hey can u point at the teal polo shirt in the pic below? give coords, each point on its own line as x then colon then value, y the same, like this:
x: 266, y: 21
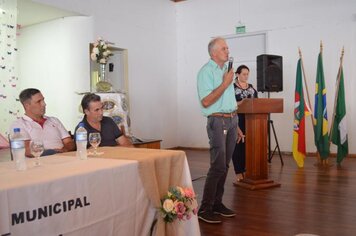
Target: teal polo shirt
x: 209, y: 78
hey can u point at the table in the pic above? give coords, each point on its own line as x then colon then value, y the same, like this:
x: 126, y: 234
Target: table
x: 67, y: 196
x: 5, y: 154
x: 149, y: 143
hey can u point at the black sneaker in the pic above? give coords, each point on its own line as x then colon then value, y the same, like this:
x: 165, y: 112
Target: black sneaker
x: 223, y: 210
x: 208, y: 217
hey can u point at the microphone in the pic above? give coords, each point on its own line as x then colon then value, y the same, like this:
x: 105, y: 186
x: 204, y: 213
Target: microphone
x: 231, y: 60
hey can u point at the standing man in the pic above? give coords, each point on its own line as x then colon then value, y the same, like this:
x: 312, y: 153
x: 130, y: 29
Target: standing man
x: 94, y: 121
x: 217, y: 99
x: 35, y: 125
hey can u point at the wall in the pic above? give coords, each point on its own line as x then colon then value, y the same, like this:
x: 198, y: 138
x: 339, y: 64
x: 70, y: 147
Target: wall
x: 167, y: 44
x: 53, y: 57
x: 147, y: 30
x: 9, y: 89
x: 290, y: 24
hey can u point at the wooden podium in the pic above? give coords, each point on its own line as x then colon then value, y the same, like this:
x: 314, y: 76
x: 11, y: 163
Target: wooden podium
x: 256, y: 112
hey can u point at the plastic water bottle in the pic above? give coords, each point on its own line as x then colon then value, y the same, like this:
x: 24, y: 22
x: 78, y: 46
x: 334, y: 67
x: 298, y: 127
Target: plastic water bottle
x: 81, y: 140
x: 18, y: 149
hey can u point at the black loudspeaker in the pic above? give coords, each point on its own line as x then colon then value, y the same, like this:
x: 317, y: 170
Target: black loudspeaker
x: 269, y: 73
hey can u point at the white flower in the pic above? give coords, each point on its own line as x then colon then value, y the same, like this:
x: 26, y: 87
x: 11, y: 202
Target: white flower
x: 178, y: 204
x: 100, y: 52
x: 93, y: 56
x: 168, y: 205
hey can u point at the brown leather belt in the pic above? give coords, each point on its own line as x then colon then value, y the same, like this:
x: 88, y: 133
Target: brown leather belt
x: 225, y: 115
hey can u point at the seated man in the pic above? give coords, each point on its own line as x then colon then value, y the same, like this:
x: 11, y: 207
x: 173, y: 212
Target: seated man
x: 94, y: 121
x: 35, y: 125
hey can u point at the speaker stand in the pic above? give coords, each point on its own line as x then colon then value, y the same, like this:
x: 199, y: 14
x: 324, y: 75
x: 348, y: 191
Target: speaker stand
x: 270, y: 153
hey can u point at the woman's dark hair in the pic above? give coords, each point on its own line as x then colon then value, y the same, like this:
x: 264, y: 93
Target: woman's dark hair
x: 239, y: 69
x: 90, y: 97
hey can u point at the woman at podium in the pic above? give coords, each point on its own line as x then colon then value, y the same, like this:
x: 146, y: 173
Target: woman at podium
x: 242, y: 90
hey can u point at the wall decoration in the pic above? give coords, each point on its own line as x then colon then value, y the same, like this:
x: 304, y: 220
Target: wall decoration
x: 10, y: 108
x: 115, y: 106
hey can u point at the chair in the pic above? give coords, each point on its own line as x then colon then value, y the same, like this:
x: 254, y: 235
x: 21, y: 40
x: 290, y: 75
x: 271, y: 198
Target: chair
x: 12, y: 157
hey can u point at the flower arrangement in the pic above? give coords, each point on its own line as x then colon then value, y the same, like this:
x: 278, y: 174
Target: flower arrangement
x: 100, y: 52
x: 179, y: 203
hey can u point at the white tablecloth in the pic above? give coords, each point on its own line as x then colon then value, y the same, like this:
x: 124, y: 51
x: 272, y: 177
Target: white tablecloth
x: 73, y: 197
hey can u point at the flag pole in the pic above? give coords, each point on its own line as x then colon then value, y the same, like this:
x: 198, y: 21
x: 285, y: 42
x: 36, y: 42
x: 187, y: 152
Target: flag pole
x: 319, y: 158
x: 336, y: 92
x: 320, y: 162
x: 326, y: 161
x: 306, y: 87
x: 307, y: 90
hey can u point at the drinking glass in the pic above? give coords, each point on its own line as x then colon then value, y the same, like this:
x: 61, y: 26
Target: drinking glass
x: 37, y: 149
x: 94, y: 140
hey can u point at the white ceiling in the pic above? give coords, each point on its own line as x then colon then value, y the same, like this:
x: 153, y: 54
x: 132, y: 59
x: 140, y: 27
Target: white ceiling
x: 30, y: 13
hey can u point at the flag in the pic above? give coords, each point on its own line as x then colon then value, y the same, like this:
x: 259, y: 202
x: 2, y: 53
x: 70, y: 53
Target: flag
x: 339, y: 129
x: 300, y: 111
x: 321, y: 136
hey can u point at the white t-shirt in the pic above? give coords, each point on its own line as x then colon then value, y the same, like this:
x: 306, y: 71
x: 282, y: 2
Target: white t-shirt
x: 51, y: 134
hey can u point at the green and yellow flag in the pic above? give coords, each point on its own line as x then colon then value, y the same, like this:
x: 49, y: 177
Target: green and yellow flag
x: 321, y: 136
x: 339, y: 129
x: 300, y: 111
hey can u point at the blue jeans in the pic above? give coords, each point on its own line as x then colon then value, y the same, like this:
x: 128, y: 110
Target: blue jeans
x: 222, y: 133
